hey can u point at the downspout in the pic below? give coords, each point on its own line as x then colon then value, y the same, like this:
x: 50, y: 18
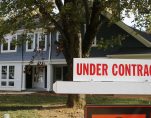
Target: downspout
x: 50, y: 48
x: 50, y: 55
x: 22, y: 59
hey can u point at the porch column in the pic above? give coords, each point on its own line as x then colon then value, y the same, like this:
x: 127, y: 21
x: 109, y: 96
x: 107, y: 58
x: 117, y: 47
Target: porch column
x: 23, y: 80
x: 49, y: 77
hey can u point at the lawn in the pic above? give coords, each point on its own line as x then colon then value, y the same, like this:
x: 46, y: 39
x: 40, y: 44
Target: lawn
x: 45, y: 104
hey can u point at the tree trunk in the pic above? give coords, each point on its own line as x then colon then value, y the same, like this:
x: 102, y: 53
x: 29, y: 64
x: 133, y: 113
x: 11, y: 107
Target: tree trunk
x: 74, y: 100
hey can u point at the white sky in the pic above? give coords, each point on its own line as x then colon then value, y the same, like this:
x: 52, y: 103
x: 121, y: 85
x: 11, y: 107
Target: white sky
x: 128, y: 21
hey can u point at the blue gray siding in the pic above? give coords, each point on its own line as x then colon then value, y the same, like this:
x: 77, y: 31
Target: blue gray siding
x: 22, y: 55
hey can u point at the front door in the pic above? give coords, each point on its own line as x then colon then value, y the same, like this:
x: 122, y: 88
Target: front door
x: 29, y: 72
x: 39, y: 77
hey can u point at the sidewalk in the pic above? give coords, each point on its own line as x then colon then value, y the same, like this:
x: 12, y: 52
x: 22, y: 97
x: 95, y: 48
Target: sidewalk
x: 16, y: 93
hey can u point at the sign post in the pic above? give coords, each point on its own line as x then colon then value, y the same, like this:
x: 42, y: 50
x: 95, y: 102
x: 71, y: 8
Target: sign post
x: 108, y: 76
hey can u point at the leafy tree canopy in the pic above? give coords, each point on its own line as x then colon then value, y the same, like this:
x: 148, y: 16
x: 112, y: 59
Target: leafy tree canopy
x: 68, y: 15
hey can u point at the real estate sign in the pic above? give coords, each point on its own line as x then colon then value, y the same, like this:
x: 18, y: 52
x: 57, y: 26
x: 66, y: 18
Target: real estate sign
x: 117, y: 111
x: 108, y: 76
x: 97, y: 69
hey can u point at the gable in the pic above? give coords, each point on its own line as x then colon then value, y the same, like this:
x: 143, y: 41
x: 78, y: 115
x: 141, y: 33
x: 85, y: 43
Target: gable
x: 129, y: 30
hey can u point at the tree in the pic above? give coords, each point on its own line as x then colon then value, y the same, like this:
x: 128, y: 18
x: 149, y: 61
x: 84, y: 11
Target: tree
x: 68, y: 17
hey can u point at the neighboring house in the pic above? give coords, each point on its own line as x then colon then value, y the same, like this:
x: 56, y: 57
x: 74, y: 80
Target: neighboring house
x: 14, y: 60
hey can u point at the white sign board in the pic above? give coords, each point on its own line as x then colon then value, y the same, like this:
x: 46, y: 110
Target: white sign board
x: 96, y: 69
x: 121, y: 88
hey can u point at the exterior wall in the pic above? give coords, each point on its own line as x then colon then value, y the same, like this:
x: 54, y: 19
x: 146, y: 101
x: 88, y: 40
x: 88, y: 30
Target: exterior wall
x: 22, y: 57
x: 22, y: 54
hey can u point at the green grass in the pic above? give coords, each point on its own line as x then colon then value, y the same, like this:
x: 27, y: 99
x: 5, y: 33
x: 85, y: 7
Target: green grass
x: 109, y: 100
x: 27, y: 106
x: 31, y: 100
x: 49, y: 99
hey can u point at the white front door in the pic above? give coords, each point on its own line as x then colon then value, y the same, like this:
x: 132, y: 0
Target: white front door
x: 39, y: 78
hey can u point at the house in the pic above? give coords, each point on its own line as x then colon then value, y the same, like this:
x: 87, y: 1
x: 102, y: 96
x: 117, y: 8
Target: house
x: 14, y: 59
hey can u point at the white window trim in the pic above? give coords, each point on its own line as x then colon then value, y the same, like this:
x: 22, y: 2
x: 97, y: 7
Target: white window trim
x: 9, y: 41
x: 29, y: 50
x: 46, y: 36
x: 57, y: 36
x: 7, y: 80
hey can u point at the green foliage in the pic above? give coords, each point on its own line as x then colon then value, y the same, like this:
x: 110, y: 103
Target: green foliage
x: 68, y: 15
x: 108, y: 100
x: 114, y: 41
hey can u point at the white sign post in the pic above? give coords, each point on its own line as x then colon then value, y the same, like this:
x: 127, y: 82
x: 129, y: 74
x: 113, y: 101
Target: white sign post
x: 108, y: 76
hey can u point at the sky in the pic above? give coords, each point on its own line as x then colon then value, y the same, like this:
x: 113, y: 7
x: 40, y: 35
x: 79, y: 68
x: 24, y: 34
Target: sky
x: 128, y: 21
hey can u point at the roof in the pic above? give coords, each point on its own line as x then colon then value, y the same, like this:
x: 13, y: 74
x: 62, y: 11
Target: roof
x: 142, y: 37
x: 144, y: 34
x: 138, y: 46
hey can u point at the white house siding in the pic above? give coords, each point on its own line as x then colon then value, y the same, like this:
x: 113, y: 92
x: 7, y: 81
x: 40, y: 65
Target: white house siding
x: 20, y: 77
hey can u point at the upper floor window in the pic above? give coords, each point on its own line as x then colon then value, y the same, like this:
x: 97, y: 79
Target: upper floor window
x: 94, y: 42
x: 59, y: 36
x: 9, y: 44
x: 42, y: 44
x: 30, y: 43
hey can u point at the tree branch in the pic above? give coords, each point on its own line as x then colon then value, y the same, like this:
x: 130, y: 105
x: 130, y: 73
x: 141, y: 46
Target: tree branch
x: 92, y: 28
x: 87, y: 13
x: 59, y: 4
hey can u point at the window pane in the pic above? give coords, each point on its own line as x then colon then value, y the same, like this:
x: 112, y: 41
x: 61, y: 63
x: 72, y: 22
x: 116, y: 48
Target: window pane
x: 42, y: 39
x: 11, y: 72
x: 3, y: 83
x: 59, y: 36
x: 5, y: 46
x: 12, y: 45
x: 30, y: 39
x: 58, y: 73
x: 42, y: 44
x: 4, y: 72
x: 30, y: 46
x: 11, y: 83
x: 94, y: 42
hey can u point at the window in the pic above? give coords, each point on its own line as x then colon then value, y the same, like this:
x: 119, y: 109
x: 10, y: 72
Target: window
x: 4, y: 72
x: 9, y: 45
x: 59, y: 36
x: 94, y: 42
x: 12, y: 43
x: 5, y: 46
x: 7, y: 75
x: 60, y: 73
x: 3, y: 83
x: 42, y: 38
x: 11, y: 83
x: 11, y: 72
x: 30, y: 44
